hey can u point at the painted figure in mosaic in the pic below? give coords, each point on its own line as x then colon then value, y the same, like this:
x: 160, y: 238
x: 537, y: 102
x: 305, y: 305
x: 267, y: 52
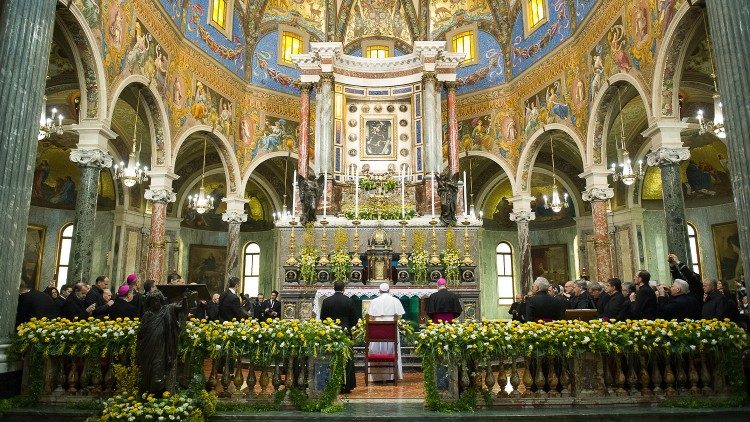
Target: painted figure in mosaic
x: 447, y: 189
x: 310, y: 191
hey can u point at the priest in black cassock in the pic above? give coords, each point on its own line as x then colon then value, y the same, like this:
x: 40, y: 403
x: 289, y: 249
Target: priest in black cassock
x: 443, y: 305
x: 342, y: 308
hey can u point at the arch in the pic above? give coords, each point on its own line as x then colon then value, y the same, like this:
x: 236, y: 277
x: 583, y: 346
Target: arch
x: 534, y: 144
x: 671, y: 53
x: 190, y: 187
x: 263, y: 158
x: 89, y: 63
x: 482, y: 196
x: 223, y: 147
x: 567, y: 184
x: 503, y: 163
x: 601, y: 107
x: 160, y: 131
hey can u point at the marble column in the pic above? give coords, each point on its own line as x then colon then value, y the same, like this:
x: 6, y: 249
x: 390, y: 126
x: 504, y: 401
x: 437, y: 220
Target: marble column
x: 668, y: 159
x: 430, y: 142
x: 160, y: 197
x: 304, y: 129
x: 729, y: 22
x: 523, y: 215
x: 235, y: 215
x: 25, y: 39
x: 452, y: 128
x: 91, y: 162
x: 324, y: 146
x: 598, y: 196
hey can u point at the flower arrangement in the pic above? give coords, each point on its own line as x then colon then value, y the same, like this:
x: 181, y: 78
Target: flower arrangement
x: 308, y: 260
x: 172, y: 407
x: 419, y: 257
x: 387, y: 212
x: 451, y: 259
x: 340, y: 265
x: 388, y: 184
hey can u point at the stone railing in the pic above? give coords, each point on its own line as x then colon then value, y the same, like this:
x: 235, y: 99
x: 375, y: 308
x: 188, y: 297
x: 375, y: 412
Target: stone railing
x: 586, y: 379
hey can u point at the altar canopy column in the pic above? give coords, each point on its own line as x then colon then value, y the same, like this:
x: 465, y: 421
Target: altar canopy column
x: 160, y: 194
x: 304, y: 128
x: 667, y: 152
x: 598, y: 193
x: 729, y: 27
x: 234, y: 215
x: 452, y: 128
x: 429, y: 82
x: 91, y: 157
x: 324, y: 146
x: 522, y: 215
x: 25, y: 39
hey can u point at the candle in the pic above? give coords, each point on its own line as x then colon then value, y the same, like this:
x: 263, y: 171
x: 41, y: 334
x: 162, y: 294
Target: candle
x: 403, y: 198
x: 466, y: 201
x: 432, y: 192
x: 325, y: 194
x: 356, y: 197
x: 294, y: 191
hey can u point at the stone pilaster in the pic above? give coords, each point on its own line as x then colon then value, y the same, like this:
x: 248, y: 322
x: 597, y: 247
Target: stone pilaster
x: 235, y: 215
x: 598, y: 192
x: 160, y: 196
x: 668, y: 153
x: 728, y: 26
x: 523, y: 215
x: 431, y: 144
x: 324, y: 146
x: 25, y: 39
x: 90, y: 162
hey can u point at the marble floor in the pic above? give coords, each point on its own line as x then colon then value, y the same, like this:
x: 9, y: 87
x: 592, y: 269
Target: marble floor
x: 411, y: 387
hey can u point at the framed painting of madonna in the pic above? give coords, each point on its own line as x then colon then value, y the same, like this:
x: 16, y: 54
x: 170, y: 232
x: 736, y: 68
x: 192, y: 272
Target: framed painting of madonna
x: 377, y: 138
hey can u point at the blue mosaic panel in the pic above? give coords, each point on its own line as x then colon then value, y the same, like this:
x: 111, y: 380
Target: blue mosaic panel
x: 418, y: 105
x: 401, y: 90
x: 418, y: 132
x: 419, y: 159
x: 174, y: 9
x: 230, y: 52
x: 527, y: 51
x: 489, y: 69
x: 378, y: 92
x: 337, y: 161
x: 358, y: 52
x: 357, y: 91
x: 583, y: 7
x: 266, y: 69
x: 338, y: 132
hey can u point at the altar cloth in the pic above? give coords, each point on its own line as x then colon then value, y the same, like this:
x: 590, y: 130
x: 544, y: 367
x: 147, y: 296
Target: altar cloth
x: 372, y: 291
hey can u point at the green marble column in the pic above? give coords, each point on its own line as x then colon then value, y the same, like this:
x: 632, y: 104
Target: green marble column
x: 91, y: 162
x: 730, y: 35
x: 25, y: 38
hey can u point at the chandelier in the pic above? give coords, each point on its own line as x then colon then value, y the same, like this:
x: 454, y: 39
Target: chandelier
x: 133, y: 173
x: 626, y: 173
x: 556, y: 204
x: 50, y: 125
x: 200, y: 202
x: 717, y: 125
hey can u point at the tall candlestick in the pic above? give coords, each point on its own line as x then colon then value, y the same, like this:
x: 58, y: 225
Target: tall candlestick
x: 325, y: 194
x: 403, y: 198
x: 466, y: 199
x: 432, y: 192
x: 294, y: 192
x: 356, y: 197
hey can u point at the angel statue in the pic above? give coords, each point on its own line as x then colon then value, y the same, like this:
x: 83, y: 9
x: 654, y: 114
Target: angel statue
x: 447, y: 189
x: 310, y: 190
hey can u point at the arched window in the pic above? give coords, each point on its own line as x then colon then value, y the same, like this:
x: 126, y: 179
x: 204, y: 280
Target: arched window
x: 535, y: 15
x: 219, y: 13
x: 504, y: 273
x: 377, y: 52
x: 695, y: 257
x: 465, y: 42
x: 251, y: 269
x: 291, y: 43
x: 63, y: 254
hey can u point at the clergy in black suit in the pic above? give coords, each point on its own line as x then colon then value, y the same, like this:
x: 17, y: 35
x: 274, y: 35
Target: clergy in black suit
x: 443, y: 305
x: 342, y: 308
x: 617, y: 305
x: 272, y: 307
x: 541, y: 305
x: 643, y: 302
x: 75, y: 305
x: 229, y: 303
x: 34, y: 304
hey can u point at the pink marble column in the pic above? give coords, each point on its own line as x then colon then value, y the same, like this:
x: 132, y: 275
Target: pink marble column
x: 304, y: 129
x: 452, y: 128
x: 602, y: 248
x: 155, y: 261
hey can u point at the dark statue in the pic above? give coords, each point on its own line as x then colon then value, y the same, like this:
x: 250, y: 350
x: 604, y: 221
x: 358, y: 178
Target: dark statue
x: 310, y: 191
x: 447, y: 187
x: 157, y: 341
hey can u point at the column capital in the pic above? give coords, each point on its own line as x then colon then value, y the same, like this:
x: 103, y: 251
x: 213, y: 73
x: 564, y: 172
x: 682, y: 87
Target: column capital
x: 450, y: 86
x: 91, y: 157
x: 522, y: 212
x: 327, y: 77
x: 664, y: 156
x: 429, y: 77
x: 597, y: 193
x: 234, y: 217
x: 306, y: 87
x: 162, y: 194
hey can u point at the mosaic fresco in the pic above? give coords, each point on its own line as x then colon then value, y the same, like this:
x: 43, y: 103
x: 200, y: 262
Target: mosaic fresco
x: 489, y: 69
x: 307, y: 14
x: 447, y: 14
x: 194, y: 102
x: 526, y: 51
x: 268, y: 72
x: 377, y: 18
x: 229, y: 51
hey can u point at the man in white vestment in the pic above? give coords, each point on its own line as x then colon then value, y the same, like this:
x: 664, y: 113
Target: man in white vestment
x: 383, y: 308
